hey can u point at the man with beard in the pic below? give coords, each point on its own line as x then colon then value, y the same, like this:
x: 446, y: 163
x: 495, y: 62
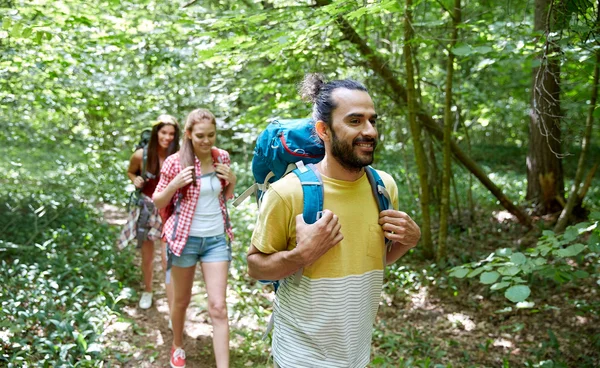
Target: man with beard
x: 326, y: 319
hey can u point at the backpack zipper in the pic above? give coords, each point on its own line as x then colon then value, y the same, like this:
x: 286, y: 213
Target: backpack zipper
x: 293, y: 153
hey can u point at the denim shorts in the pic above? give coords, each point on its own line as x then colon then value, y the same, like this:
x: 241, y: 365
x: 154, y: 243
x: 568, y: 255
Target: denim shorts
x: 209, y: 249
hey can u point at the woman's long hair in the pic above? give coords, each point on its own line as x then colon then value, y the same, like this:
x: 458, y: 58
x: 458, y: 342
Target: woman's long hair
x: 152, y: 164
x: 186, y: 154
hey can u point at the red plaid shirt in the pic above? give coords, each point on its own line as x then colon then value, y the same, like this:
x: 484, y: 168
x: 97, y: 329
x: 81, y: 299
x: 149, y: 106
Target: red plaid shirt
x: 171, y: 167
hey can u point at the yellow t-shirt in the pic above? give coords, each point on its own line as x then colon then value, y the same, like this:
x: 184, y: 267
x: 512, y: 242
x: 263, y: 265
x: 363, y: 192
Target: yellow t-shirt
x: 327, y: 320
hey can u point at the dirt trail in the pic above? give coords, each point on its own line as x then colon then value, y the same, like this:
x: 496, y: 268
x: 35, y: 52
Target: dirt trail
x: 141, y: 338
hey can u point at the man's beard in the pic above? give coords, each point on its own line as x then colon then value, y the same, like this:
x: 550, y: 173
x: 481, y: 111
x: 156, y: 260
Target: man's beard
x: 345, y: 155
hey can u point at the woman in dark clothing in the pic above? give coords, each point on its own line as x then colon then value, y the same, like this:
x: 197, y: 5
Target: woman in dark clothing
x: 164, y: 141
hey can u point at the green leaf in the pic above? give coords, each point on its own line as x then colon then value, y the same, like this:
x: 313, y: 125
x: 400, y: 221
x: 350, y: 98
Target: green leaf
x: 476, y: 272
x: 499, y: 285
x: 26, y: 32
x: 489, y: 277
x: 81, y: 341
x: 459, y: 272
x: 518, y: 258
x: 6, y: 23
x: 570, y: 251
x: 571, y: 234
x: 483, y: 49
x: 594, y: 242
x: 462, y: 49
x: 16, y: 31
x: 581, y: 274
x: 517, y: 293
x: 509, y: 271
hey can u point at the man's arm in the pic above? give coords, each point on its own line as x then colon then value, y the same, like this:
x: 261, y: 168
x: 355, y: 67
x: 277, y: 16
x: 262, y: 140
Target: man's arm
x: 312, y: 241
x: 275, y: 266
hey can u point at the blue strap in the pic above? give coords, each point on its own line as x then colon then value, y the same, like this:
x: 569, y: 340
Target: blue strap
x: 312, y: 189
x: 378, y: 188
x: 381, y: 195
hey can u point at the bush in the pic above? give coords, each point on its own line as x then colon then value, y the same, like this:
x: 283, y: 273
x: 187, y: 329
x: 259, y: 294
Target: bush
x: 61, y: 279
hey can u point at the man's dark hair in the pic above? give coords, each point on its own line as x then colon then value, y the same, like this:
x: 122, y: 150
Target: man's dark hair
x: 314, y: 89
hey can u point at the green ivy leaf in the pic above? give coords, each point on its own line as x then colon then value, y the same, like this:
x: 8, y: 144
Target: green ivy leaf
x: 518, y: 258
x: 517, y: 293
x: 489, y: 277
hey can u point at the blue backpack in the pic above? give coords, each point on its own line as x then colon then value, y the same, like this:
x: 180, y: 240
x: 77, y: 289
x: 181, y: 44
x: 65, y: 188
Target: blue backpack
x: 293, y: 146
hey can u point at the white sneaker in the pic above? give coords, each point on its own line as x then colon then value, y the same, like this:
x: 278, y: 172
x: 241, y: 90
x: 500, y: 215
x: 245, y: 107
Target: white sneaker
x: 146, y: 300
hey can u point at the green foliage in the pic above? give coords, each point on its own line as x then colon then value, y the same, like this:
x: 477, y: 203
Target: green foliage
x: 62, y: 280
x: 557, y: 257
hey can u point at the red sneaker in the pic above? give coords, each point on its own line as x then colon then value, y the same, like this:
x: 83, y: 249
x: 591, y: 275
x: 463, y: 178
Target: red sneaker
x: 177, y: 358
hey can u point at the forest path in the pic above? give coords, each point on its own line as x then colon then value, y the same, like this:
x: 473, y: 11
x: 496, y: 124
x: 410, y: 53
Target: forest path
x: 141, y: 338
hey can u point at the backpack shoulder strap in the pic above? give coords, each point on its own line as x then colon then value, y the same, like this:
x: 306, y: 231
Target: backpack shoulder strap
x: 312, y: 189
x: 144, y: 161
x: 378, y: 186
x: 381, y: 194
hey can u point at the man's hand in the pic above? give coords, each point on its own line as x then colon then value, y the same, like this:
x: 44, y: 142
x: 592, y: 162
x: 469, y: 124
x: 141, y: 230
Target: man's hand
x: 399, y: 227
x: 312, y: 241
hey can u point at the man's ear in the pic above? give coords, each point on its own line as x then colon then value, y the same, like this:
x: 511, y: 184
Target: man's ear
x: 322, y: 130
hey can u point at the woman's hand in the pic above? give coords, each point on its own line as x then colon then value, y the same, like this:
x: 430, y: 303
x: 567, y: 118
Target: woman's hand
x: 139, y: 182
x: 224, y: 172
x: 182, y: 179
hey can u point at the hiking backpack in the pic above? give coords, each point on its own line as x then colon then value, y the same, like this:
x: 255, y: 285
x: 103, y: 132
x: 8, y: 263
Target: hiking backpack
x: 293, y: 146
x: 143, y: 143
x: 146, y: 208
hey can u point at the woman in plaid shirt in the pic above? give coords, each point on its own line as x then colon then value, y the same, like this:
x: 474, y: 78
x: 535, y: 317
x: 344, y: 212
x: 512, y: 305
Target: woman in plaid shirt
x: 198, y: 181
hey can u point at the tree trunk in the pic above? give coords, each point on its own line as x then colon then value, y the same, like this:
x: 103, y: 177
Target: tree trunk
x: 544, y: 166
x: 561, y: 224
x: 448, y: 122
x: 415, y: 129
x: 470, y: 188
x: 381, y: 68
x: 432, y: 171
